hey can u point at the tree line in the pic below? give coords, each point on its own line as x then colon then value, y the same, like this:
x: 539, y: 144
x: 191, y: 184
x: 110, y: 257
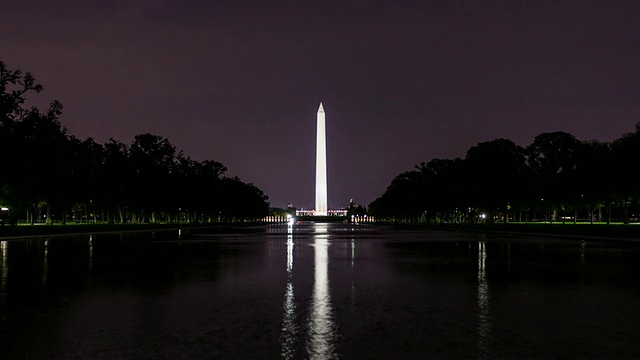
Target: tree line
x: 557, y: 178
x: 47, y: 174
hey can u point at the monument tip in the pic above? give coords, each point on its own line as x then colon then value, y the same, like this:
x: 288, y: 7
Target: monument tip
x: 320, y: 109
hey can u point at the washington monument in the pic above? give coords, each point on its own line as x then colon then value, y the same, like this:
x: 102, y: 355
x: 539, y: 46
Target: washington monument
x: 321, y: 166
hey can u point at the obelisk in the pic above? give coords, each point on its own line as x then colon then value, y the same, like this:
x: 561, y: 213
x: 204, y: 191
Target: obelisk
x: 321, y: 166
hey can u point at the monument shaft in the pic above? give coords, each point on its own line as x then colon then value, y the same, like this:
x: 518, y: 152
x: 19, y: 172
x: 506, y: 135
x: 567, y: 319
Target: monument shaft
x: 321, y: 166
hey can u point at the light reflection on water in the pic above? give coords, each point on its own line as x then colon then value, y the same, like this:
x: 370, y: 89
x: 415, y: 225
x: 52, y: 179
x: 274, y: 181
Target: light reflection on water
x: 4, y: 268
x: 290, y: 250
x: 321, y: 327
x: 90, y: 254
x: 484, y: 319
x: 290, y: 292
x: 45, y: 265
x: 353, y: 252
x: 353, y: 262
x: 289, y: 331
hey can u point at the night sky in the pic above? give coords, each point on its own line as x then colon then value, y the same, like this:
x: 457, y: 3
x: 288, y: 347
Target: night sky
x: 401, y: 81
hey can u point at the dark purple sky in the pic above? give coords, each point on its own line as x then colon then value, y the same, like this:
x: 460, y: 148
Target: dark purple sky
x: 401, y: 81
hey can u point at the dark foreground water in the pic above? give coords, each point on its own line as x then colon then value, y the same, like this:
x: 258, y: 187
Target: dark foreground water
x: 318, y: 291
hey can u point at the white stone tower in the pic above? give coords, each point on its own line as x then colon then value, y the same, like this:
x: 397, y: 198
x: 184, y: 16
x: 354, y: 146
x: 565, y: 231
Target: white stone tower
x: 321, y: 166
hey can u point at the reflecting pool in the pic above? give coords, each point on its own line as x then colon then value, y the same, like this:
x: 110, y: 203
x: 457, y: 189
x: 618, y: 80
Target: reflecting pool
x: 318, y: 291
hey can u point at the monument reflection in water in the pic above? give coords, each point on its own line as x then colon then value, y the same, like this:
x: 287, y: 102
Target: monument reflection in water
x: 321, y: 327
x: 227, y: 293
x: 320, y: 338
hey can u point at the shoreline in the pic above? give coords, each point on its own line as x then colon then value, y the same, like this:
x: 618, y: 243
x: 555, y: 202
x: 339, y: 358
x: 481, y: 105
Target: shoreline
x: 591, y: 232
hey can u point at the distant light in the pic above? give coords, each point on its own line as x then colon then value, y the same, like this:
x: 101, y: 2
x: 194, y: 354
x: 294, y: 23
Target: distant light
x: 5, y: 208
x: 288, y: 216
x: 483, y: 216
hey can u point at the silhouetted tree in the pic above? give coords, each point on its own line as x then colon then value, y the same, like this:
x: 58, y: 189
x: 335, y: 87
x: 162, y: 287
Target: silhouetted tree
x: 148, y: 181
x: 626, y: 160
x: 497, y: 172
x: 557, y: 175
x: 554, y: 157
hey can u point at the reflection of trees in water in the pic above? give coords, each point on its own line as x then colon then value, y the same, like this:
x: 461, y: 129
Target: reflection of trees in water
x: 484, y: 321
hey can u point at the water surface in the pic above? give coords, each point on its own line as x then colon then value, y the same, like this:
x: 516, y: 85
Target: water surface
x: 318, y: 291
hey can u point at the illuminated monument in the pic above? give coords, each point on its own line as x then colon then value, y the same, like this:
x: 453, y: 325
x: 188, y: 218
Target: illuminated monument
x: 321, y: 166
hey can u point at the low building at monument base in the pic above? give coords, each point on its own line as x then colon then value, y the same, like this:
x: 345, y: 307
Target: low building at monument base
x: 341, y: 212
